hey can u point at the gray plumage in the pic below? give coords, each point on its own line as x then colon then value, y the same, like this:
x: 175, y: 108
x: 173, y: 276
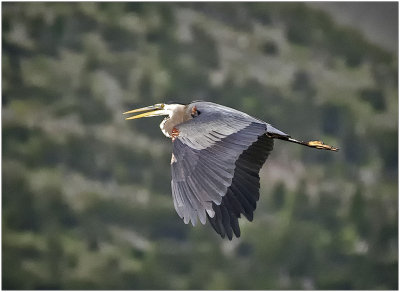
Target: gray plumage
x: 216, y: 158
x: 207, y: 165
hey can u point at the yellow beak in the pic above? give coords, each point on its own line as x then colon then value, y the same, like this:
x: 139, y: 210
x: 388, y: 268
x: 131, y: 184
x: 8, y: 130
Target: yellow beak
x: 153, y: 110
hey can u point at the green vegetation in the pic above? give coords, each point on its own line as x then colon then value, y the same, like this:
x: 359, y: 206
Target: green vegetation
x: 86, y: 195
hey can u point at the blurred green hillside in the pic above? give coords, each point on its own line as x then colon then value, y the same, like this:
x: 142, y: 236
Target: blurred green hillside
x: 86, y: 195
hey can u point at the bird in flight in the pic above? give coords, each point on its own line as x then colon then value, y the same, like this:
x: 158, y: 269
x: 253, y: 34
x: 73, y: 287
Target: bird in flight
x: 217, y: 155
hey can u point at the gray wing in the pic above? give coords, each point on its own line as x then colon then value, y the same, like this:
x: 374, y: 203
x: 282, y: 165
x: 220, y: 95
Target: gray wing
x: 243, y: 194
x: 215, y: 164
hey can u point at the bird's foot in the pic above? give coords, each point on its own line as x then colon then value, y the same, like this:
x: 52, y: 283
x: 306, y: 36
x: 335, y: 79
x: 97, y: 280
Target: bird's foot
x: 175, y: 134
x: 321, y: 145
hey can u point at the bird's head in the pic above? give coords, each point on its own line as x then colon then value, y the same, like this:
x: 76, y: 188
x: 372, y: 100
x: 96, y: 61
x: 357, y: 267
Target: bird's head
x: 182, y: 111
x: 176, y: 113
x: 159, y: 109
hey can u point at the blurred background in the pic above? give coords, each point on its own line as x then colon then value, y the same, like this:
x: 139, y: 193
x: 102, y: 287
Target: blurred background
x: 86, y: 195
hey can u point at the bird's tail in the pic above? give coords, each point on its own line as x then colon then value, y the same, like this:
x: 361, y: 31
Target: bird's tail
x: 277, y: 134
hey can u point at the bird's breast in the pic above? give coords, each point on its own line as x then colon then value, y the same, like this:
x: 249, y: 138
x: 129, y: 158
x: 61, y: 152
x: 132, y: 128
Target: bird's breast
x: 169, y: 123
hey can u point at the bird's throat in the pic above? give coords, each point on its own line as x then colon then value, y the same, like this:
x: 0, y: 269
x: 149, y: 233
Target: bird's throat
x: 176, y: 117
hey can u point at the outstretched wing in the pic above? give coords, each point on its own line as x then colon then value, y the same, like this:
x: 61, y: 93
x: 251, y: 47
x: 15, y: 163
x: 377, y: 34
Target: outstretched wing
x: 215, y: 163
x: 243, y: 193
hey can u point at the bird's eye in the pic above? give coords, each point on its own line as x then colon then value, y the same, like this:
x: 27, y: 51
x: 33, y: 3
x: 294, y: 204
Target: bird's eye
x: 195, y: 112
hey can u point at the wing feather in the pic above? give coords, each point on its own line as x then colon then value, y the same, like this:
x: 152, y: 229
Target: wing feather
x: 226, y: 221
x: 217, y: 157
x: 237, y: 201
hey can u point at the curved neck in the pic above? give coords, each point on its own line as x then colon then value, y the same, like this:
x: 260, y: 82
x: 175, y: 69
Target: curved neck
x: 176, y: 116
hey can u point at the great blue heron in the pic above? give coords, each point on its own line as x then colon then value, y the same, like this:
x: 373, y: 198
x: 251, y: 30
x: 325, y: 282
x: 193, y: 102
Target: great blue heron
x: 217, y: 155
